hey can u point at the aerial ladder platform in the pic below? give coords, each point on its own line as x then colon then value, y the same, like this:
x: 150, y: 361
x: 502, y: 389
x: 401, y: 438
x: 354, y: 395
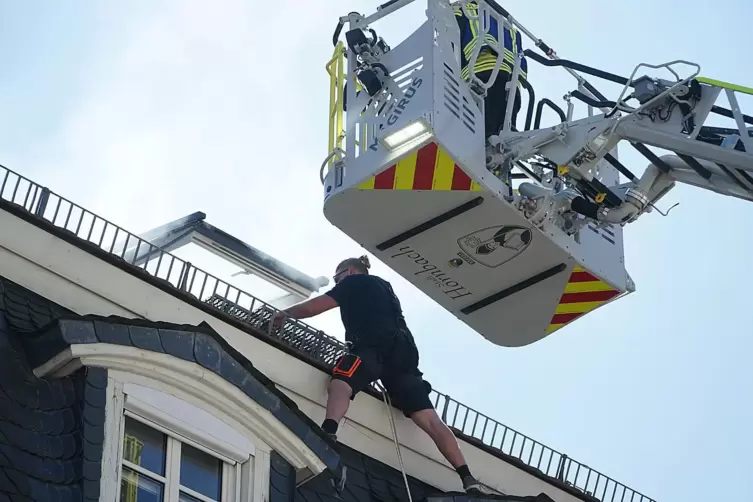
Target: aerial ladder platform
x: 521, y: 234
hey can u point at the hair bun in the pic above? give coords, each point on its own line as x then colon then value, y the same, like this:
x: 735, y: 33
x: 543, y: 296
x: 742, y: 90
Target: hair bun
x: 365, y: 260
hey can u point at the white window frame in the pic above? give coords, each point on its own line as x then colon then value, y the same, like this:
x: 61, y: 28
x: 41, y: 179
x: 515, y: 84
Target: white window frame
x: 245, y: 459
x: 230, y: 474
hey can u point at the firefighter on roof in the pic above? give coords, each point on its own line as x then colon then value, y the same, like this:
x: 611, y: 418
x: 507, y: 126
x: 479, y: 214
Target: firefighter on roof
x: 380, y: 347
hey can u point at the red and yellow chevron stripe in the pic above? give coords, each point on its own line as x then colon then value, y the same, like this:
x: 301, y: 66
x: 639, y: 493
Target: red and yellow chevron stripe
x: 428, y: 168
x: 583, y: 293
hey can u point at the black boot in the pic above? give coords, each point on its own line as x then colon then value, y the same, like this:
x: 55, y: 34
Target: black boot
x: 473, y: 486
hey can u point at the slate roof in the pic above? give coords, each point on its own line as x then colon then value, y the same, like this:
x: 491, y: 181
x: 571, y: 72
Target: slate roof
x: 51, y: 430
x: 369, y: 481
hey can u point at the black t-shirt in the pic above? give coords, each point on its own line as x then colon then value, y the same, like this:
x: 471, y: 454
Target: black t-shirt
x: 368, y: 306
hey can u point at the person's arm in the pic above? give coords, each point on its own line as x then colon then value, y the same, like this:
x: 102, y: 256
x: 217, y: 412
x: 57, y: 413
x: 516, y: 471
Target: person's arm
x: 315, y: 306
x: 311, y: 307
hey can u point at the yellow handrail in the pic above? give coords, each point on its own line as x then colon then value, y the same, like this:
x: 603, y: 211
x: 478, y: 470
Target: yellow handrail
x: 335, y: 68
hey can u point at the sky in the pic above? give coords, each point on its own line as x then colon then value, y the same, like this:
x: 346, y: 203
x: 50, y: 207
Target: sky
x: 148, y: 110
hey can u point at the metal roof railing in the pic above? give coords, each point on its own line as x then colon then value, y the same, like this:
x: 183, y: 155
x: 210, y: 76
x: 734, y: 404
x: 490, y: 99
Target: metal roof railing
x: 299, y: 336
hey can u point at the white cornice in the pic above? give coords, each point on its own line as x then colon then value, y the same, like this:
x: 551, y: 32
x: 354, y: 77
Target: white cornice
x: 194, y: 380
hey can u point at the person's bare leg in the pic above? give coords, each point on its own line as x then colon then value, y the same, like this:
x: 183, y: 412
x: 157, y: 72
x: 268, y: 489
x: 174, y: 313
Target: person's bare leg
x: 429, y: 422
x: 338, y: 401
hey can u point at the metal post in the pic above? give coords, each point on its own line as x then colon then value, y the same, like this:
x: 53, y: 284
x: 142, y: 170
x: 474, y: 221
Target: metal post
x: 44, y: 197
x: 183, y: 278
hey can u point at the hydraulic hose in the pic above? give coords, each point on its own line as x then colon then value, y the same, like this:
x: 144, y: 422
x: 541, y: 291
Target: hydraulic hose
x: 617, y: 79
x: 582, y: 206
x: 592, y: 102
x: 571, y: 65
x: 634, y: 203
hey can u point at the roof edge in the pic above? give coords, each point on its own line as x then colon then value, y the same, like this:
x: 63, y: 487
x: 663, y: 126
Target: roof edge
x: 166, y: 287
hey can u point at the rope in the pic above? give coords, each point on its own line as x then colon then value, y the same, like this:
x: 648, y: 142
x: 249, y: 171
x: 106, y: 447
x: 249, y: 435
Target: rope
x: 388, y: 405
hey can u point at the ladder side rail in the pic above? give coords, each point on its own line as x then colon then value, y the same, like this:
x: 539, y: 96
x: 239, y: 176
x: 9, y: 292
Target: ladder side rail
x: 696, y: 163
x: 740, y: 121
x: 718, y: 182
x: 636, y: 133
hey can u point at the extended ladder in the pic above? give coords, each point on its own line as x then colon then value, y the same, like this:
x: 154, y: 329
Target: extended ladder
x: 671, y: 115
x: 522, y: 234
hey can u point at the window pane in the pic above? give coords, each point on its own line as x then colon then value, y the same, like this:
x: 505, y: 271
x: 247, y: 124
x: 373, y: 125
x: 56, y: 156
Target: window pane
x: 200, y: 472
x: 184, y: 497
x: 144, y: 446
x: 137, y: 488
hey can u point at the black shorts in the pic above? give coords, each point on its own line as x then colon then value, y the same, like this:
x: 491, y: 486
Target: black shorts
x: 393, y: 359
x: 495, y: 104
